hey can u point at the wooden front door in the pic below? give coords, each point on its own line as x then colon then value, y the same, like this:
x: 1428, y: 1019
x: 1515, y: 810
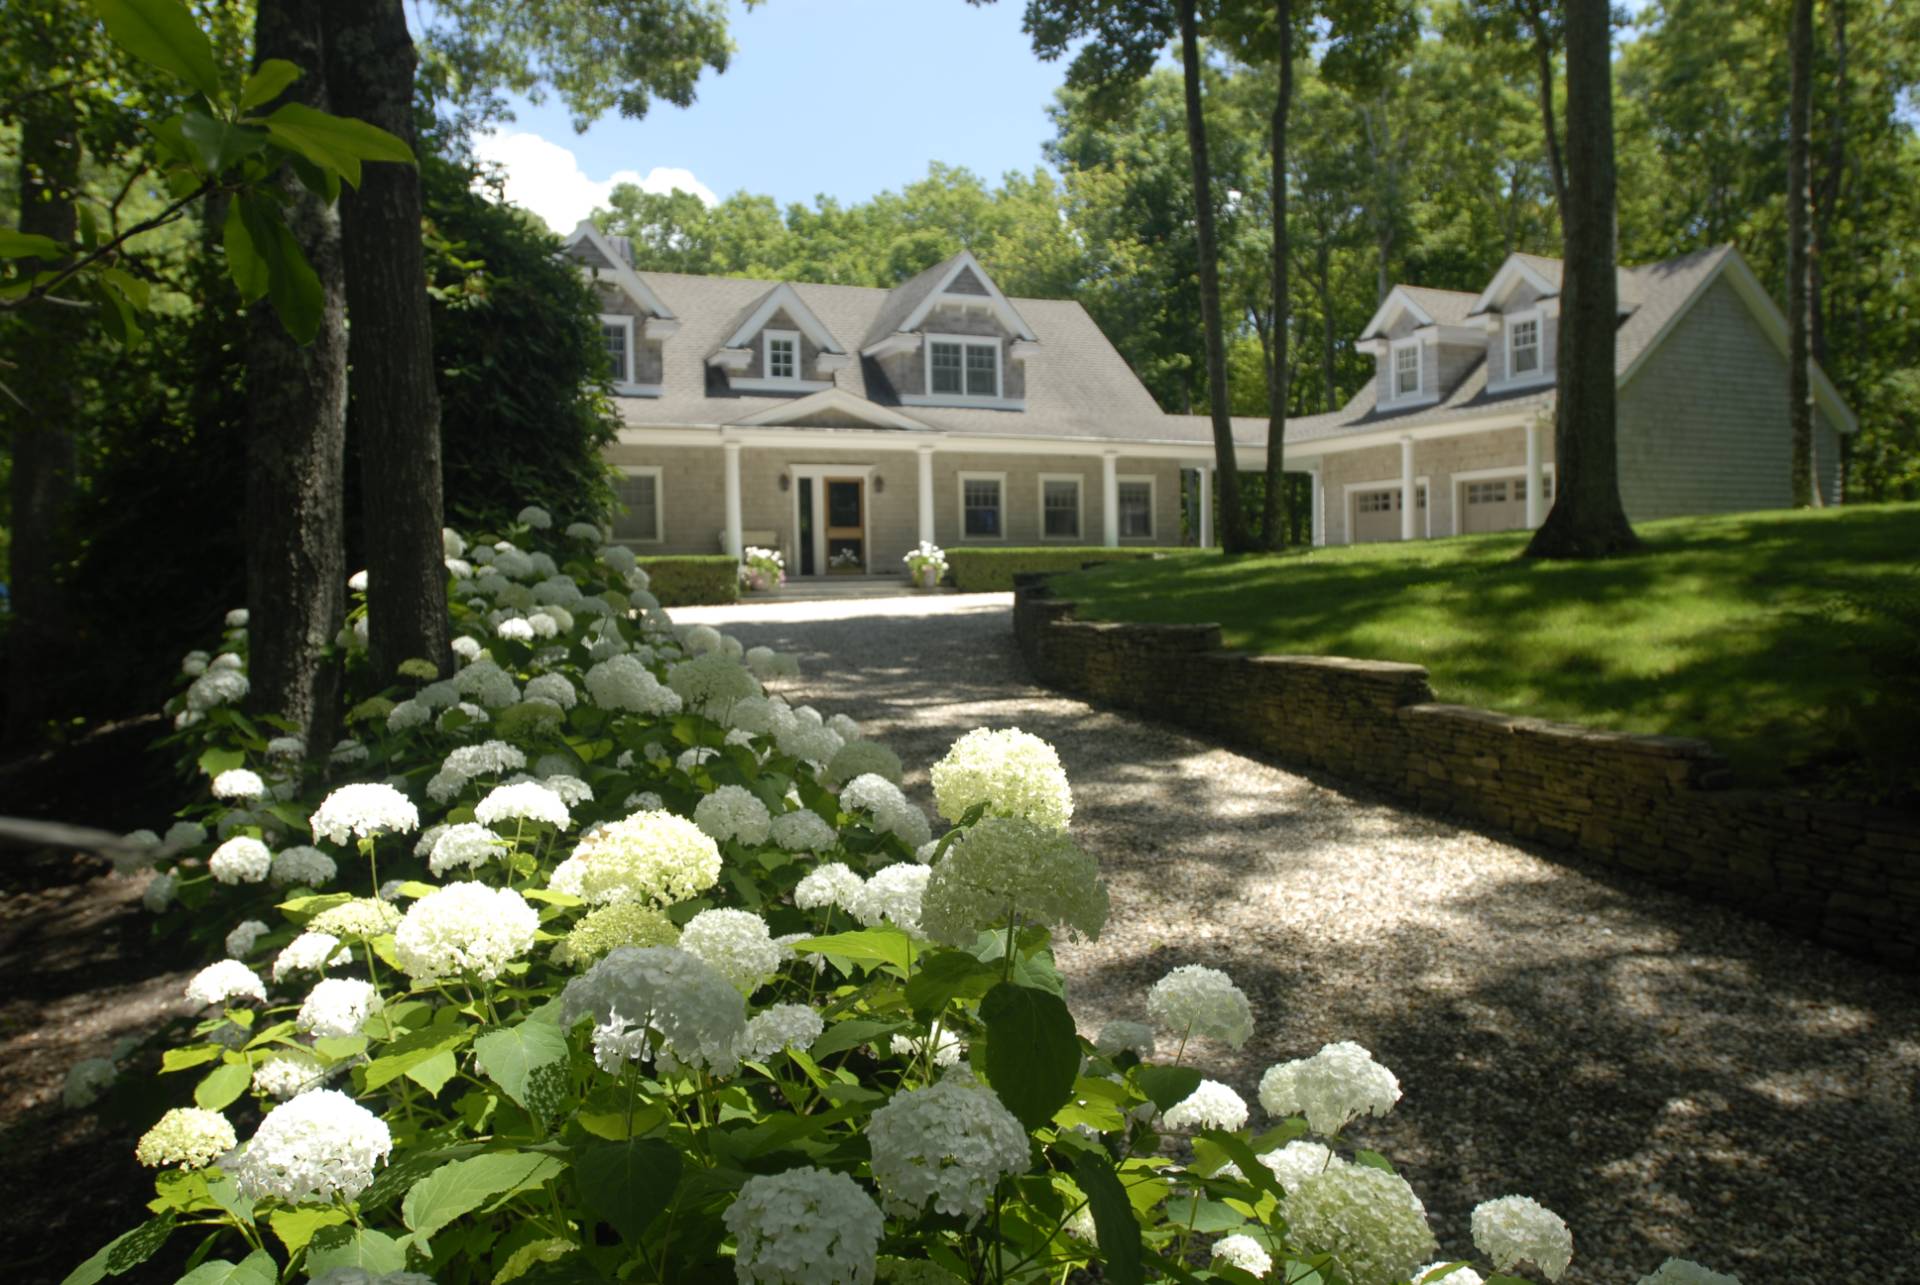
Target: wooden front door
x: 846, y: 524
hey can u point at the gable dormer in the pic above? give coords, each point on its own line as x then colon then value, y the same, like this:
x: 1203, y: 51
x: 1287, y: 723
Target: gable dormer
x: 1421, y: 345
x: 634, y: 323
x: 948, y: 337
x: 1520, y: 312
x: 778, y: 345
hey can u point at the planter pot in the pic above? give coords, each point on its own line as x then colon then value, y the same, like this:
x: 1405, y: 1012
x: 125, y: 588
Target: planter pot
x: 926, y: 578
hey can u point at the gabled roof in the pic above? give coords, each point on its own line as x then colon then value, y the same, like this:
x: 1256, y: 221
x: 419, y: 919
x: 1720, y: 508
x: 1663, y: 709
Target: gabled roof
x: 781, y: 298
x: 830, y: 401
x: 909, y: 302
x: 1542, y: 274
x: 1426, y: 306
x: 617, y: 268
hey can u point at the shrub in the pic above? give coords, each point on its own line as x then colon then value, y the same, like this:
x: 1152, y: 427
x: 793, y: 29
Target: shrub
x: 694, y: 579
x: 993, y: 570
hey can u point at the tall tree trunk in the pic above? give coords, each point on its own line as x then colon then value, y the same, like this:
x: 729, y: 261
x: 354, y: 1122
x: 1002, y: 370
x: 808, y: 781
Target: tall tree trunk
x: 42, y: 484
x: 1273, y: 531
x: 1543, y: 69
x: 296, y: 439
x: 1324, y: 264
x: 395, y: 408
x: 1233, y: 534
x: 1826, y: 204
x: 1799, y: 294
x: 1587, y: 519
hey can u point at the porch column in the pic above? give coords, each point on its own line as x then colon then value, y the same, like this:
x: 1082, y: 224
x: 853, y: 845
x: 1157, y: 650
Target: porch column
x: 1110, y: 499
x: 1408, y: 496
x: 1534, y: 509
x: 1206, y: 507
x: 733, y: 540
x: 1317, y: 507
x: 926, y: 495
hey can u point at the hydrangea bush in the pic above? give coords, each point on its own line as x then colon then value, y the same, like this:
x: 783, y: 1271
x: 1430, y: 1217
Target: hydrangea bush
x: 586, y: 956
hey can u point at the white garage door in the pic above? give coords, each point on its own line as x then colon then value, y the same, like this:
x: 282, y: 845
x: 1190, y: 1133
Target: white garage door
x: 1376, y: 514
x: 1498, y: 504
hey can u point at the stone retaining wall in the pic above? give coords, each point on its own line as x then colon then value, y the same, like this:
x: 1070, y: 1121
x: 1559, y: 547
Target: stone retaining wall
x: 1658, y: 806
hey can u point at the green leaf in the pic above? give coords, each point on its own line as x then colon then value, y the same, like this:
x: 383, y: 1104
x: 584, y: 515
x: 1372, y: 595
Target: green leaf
x: 628, y: 1183
x: 124, y: 1253
x: 944, y: 977
x: 27, y: 245
x: 1033, y: 1050
x: 1101, y: 1105
x: 301, y: 909
x: 295, y: 1227
x: 131, y: 288
x: 411, y: 1050
x: 532, y: 1254
x: 887, y: 945
x: 218, y: 144
x: 165, y: 34
x: 337, y: 143
x: 528, y: 1062
x: 457, y: 1189
x: 375, y: 1253
x: 292, y: 285
x: 1210, y: 1217
x: 844, y: 1035
x: 1235, y: 1149
x: 223, y: 1084
x: 269, y: 79
x: 257, y: 1268
x: 1115, y: 1228
x: 1373, y: 1160
x: 1167, y: 1086
x: 191, y: 1056
x: 433, y: 1074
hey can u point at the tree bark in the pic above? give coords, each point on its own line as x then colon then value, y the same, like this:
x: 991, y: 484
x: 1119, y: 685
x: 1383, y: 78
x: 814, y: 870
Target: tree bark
x: 296, y: 440
x: 394, y: 408
x: 1587, y: 519
x: 1273, y: 531
x: 42, y: 484
x: 1799, y: 294
x: 1543, y: 66
x: 1324, y: 263
x: 1233, y: 533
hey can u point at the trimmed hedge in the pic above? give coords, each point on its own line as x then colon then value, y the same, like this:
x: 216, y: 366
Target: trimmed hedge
x: 693, y: 580
x: 993, y: 570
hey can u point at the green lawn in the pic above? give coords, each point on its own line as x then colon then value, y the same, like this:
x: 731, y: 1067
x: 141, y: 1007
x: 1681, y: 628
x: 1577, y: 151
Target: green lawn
x: 1726, y: 627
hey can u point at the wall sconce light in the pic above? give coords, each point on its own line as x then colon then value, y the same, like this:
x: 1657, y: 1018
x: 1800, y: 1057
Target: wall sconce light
x: 879, y: 484
x: 785, y: 482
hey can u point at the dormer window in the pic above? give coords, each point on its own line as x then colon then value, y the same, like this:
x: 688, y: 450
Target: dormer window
x: 962, y: 367
x: 782, y: 354
x: 1406, y: 368
x: 616, y: 336
x: 1523, y: 345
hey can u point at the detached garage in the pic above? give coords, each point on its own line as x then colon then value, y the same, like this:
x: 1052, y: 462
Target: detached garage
x: 1373, y: 513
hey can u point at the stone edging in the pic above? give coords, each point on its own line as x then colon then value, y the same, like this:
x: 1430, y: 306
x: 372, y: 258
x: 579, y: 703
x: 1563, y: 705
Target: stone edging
x: 1658, y: 806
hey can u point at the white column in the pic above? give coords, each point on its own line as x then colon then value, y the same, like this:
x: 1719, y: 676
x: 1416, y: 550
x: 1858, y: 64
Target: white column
x: 1110, y: 499
x: 1535, y: 511
x: 1317, y: 510
x: 926, y: 495
x: 1206, y: 507
x: 1408, y: 497
x: 733, y: 539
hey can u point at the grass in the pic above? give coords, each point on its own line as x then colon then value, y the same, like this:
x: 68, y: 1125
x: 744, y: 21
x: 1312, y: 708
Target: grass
x: 1726, y: 627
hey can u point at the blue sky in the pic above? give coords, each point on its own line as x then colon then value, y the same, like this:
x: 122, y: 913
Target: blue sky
x: 838, y: 97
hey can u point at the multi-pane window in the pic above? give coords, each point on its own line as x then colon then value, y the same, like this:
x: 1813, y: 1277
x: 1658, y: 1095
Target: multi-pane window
x: 1387, y: 501
x: 640, y: 495
x: 615, y: 333
x: 980, y: 508
x: 783, y: 356
x: 1135, y: 501
x: 944, y: 364
x: 1546, y: 488
x: 1406, y: 370
x: 1060, y: 508
x: 1523, y: 339
x: 959, y: 368
x: 1487, y: 492
x: 983, y: 370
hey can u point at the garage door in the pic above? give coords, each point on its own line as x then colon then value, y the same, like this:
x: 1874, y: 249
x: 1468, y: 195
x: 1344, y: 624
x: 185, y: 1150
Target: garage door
x: 1376, y: 514
x: 1498, y: 504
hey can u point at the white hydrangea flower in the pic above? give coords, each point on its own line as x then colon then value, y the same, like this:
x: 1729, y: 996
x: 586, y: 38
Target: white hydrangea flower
x: 188, y: 1137
x: 803, y: 830
x: 892, y: 812
x: 1680, y: 1271
x: 310, y: 1149
x: 312, y: 952
x: 572, y: 790
x: 526, y: 801
x: 1009, y: 867
x: 712, y: 681
x: 237, y: 618
x: 750, y: 714
x: 462, y: 929
x: 493, y: 759
x: 337, y: 1008
x: 465, y: 845
x: 348, y: 752
x: 815, y: 743
x: 451, y: 543
x: 624, y: 683
x: 217, y: 687
x: 736, y: 942
x: 240, y: 785
x: 803, y: 1227
x: 511, y: 562
x: 363, y: 810
x: 302, y: 866
x: 700, y: 639
x: 1196, y: 1000
x: 893, y: 896
x: 407, y: 715
x: 1012, y: 772
x: 283, y: 1077
x: 241, y: 859
x: 1513, y: 1228
x: 782, y: 1026
x: 240, y: 941
x: 643, y: 801
x: 1330, y: 1088
x: 534, y: 516
x: 514, y: 629
x: 1244, y: 1252
x: 183, y: 834
x: 487, y: 684
x: 732, y: 812
x: 1429, y: 1275
x: 1211, y: 1106
x: 1368, y: 1219
x: 832, y: 884
x: 361, y: 917
x: 467, y: 649
x: 158, y: 894
x: 234, y: 821
x: 87, y: 1080
x: 227, y: 660
x: 458, y: 568
x: 224, y: 980
x: 194, y: 663
x: 947, y: 1047
x: 1122, y: 1036
x: 650, y: 856
x: 620, y: 559
x: 691, y: 1005
x: 950, y: 1143
x: 858, y: 758
x: 553, y: 687
x: 1298, y: 1161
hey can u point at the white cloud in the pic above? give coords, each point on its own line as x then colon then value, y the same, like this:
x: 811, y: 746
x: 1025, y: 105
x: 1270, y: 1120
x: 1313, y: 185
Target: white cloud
x: 546, y: 178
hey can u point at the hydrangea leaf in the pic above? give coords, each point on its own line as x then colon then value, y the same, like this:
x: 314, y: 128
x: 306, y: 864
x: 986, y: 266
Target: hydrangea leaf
x: 1033, y: 1050
x: 1209, y: 1217
x: 191, y: 1056
x: 628, y: 1183
x: 257, y: 1268
x: 844, y: 1035
x: 296, y: 1227
x: 457, y: 1189
x: 375, y: 1253
x: 528, y: 1062
x: 531, y: 1255
x: 1098, y: 1104
x: 222, y: 1085
x: 886, y: 945
x: 944, y: 977
x: 124, y: 1252
x: 410, y: 1050
x: 1115, y: 1229
x: 1167, y: 1086
x: 433, y: 1074
x: 1236, y: 1150
x: 214, y: 761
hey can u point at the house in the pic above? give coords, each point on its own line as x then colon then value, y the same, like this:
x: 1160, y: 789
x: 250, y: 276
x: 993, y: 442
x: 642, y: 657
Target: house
x: 843, y: 425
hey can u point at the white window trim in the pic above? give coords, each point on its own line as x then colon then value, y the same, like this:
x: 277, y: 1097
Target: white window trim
x: 659, y: 503
x: 1387, y: 484
x: 628, y: 386
x: 1394, y: 350
x: 960, y: 523
x: 1457, y: 480
x: 1540, y: 374
x: 1079, y: 505
x: 1153, y: 504
x: 805, y: 475
x: 766, y: 356
x: 963, y: 397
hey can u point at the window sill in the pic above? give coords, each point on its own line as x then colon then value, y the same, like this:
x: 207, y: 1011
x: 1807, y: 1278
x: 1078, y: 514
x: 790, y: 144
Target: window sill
x: 959, y: 402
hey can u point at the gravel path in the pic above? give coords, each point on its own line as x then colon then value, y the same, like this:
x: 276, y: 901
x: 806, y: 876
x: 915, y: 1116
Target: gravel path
x: 1670, y: 1077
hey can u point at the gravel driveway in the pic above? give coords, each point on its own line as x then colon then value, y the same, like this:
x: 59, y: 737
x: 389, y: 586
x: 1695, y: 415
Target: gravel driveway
x: 1670, y: 1077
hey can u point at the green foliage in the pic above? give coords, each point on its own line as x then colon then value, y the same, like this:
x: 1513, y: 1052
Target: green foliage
x: 993, y: 570
x: 692, y: 579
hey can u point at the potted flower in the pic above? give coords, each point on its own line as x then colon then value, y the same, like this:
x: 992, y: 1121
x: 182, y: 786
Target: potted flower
x: 762, y: 569
x: 926, y: 565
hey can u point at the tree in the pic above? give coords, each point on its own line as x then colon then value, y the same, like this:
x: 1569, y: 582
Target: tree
x: 1587, y: 519
x: 1799, y: 270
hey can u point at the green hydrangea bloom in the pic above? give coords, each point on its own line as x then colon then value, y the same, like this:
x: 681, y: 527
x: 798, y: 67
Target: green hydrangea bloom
x: 1005, y: 866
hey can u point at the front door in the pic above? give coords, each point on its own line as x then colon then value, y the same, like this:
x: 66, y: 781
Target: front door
x: 845, y: 525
